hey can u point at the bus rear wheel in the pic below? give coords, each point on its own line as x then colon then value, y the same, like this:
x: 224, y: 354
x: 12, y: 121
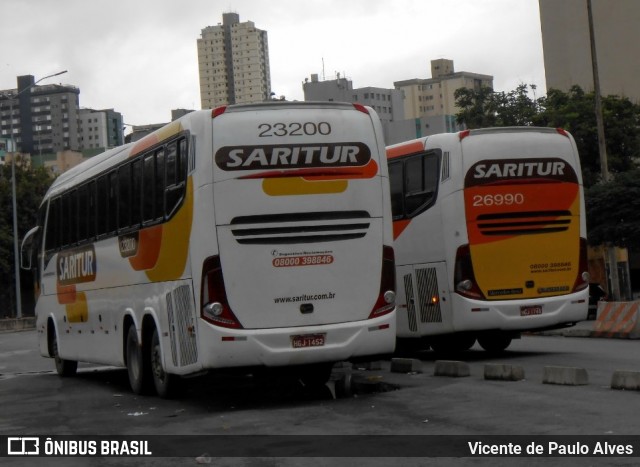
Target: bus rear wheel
x: 451, y: 343
x: 63, y: 367
x: 314, y: 375
x: 137, y: 364
x: 494, y: 342
x: 166, y: 384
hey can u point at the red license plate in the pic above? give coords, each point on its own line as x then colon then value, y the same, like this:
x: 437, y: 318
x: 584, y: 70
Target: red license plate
x: 530, y: 310
x: 307, y: 340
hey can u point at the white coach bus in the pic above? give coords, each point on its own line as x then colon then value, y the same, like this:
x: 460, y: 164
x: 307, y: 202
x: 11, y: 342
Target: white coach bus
x: 250, y: 235
x: 490, y: 236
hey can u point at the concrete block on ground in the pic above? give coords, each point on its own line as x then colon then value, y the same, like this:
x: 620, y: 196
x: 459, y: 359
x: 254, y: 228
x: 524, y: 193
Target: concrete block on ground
x: 377, y: 365
x: 451, y: 368
x: 569, y: 376
x: 629, y: 380
x: 406, y: 365
x: 503, y: 372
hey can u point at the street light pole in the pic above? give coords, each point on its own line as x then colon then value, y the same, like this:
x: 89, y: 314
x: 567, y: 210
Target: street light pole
x: 602, y: 149
x: 16, y: 256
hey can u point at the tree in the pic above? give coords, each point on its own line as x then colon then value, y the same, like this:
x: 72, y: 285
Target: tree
x: 573, y: 110
x: 31, y: 185
x: 613, y: 210
x: 486, y: 108
x: 477, y: 107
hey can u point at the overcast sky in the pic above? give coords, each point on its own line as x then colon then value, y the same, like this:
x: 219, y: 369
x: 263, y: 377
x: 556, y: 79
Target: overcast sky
x: 139, y: 57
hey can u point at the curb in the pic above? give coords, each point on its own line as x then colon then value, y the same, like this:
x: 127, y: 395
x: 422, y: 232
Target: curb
x: 17, y: 324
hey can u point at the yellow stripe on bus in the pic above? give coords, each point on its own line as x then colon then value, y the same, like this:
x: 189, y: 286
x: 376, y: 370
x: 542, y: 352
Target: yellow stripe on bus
x: 287, y: 186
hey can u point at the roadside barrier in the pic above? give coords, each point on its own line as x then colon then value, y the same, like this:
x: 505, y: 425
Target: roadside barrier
x: 618, y: 319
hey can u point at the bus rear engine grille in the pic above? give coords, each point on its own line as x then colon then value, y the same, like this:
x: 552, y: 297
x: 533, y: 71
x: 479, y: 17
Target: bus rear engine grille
x: 307, y: 227
x: 524, y: 223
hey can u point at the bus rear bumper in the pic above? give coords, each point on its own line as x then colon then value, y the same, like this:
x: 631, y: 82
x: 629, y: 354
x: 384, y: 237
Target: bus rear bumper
x: 511, y: 315
x: 226, y: 348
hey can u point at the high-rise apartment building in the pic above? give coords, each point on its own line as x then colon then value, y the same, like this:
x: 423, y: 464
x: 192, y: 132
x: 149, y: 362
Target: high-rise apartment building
x: 386, y: 102
x: 233, y: 62
x: 100, y: 129
x: 434, y: 97
x: 42, y: 120
x: 567, y: 47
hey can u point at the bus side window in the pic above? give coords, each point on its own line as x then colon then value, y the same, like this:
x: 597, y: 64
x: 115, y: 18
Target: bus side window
x: 421, y: 183
x: 160, y: 184
x: 183, y: 160
x: 148, y: 188
x: 52, y: 236
x: 112, y: 212
x: 70, y: 225
x: 124, y: 196
x: 172, y: 159
x: 136, y: 193
x: 102, y: 205
x: 395, y: 181
x: 83, y: 212
x: 92, y: 210
x: 175, y: 177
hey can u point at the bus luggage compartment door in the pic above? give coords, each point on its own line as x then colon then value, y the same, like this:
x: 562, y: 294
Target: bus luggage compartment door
x: 425, y: 299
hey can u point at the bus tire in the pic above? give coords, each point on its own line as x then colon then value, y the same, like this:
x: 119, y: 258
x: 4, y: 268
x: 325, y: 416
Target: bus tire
x: 166, y: 384
x: 494, y: 342
x: 137, y: 364
x: 315, y: 375
x: 452, y: 343
x: 64, y: 367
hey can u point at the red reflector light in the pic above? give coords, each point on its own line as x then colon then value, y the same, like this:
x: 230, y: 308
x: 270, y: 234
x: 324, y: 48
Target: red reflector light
x: 218, y: 111
x: 582, y: 276
x: 361, y: 108
x: 463, y: 134
x: 386, y: 297
x: 379, y: 328
x: 463, y: 275
x: 562, y: 131
x: 214, y: 306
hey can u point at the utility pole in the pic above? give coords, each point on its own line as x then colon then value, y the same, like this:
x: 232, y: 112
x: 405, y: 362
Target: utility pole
x: 602, y: 148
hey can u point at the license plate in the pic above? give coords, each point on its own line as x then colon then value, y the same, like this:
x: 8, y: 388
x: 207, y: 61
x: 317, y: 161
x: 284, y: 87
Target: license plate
x: 307, y: 340
x: 530, y: 310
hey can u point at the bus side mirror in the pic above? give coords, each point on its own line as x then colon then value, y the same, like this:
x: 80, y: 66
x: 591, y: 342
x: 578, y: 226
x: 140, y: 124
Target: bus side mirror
x: 27, y: 249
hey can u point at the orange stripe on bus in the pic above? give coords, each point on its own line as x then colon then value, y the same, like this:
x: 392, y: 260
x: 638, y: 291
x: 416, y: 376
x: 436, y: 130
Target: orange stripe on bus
x: 409, y: 148
x: 149, y: 243
x: 399, y: 226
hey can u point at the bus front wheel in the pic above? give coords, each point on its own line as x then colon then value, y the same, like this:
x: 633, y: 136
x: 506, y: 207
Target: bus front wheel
x: 63, y: 367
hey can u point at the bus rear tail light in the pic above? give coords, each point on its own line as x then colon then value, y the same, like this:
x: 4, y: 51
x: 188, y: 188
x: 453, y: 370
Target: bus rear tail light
x: 582, y: 280
x: 386, y: 302
x: 361, y: 108
x: 218, y: 111
x: 463, y: 276
x: 213, y: 296
x: 463, y: 134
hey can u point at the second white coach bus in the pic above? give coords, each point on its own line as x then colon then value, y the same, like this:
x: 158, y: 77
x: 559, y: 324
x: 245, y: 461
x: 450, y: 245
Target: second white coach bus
x: 250, y: 235
x: 490, y: 236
